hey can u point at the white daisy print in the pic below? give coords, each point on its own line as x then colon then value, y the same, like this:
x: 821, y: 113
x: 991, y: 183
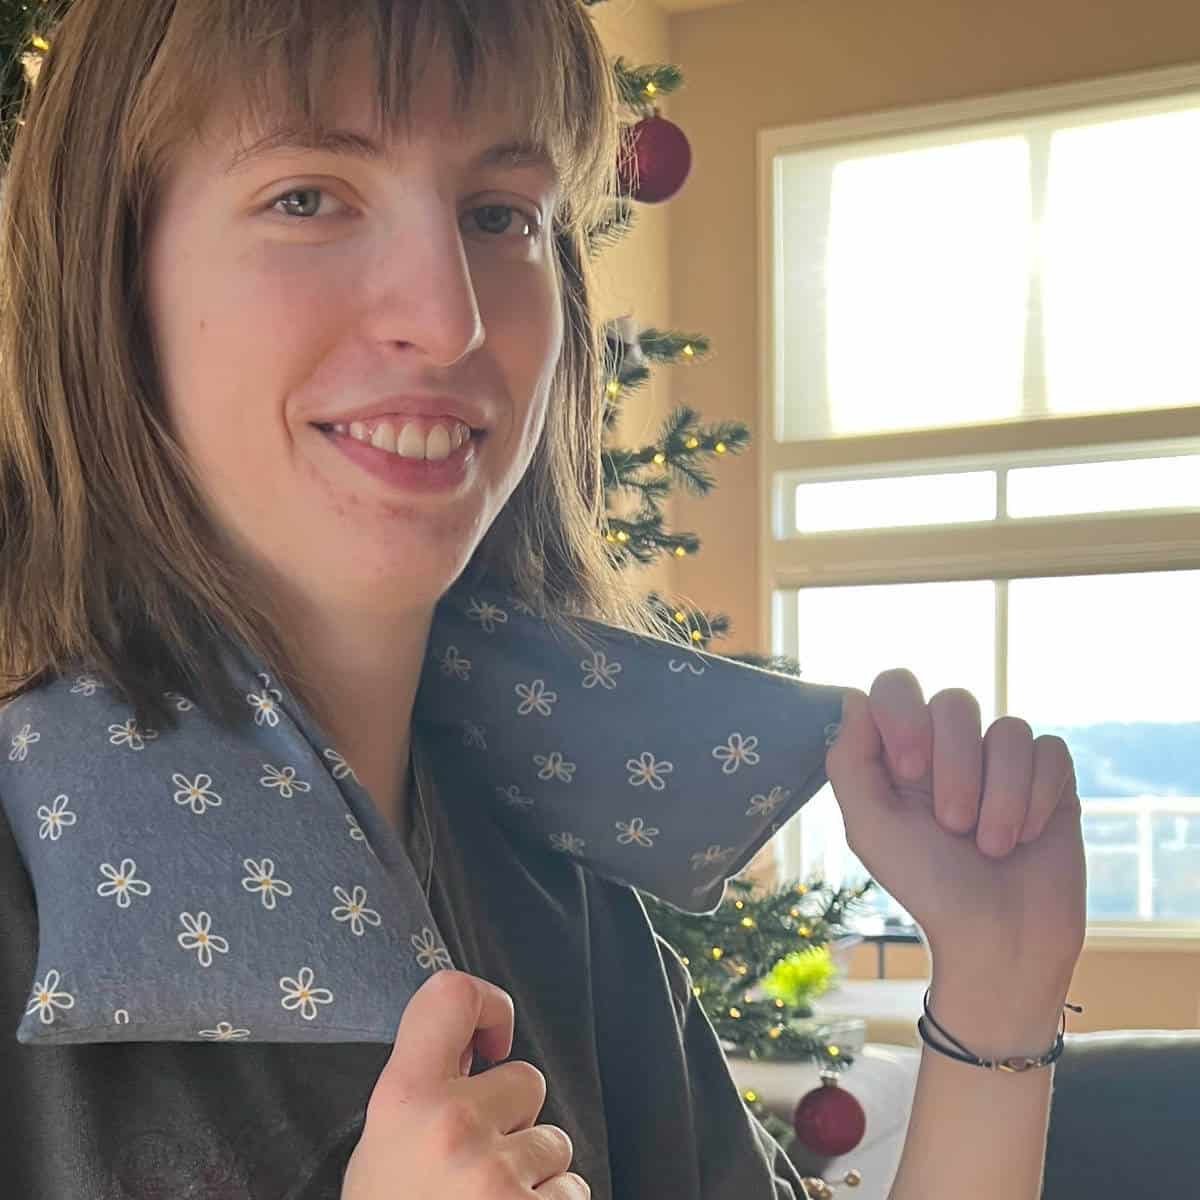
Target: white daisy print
x: 679, y: 667
x: 554, y: 766
x: 261, y: 879
x: 130, y: 735
x: 521, y: 607
x: 488, y: 615
x: 285, y: 780
x: 196, y: 792
x: 736, y: 751
x: 300, y: 993
x: 646, y: 770
x: 341, y: 768
x: 198, y: 938
x: 712, y: 857
x: 455, y: 664
x: 474, y: 735
x: 46, y: 998
x: 86, y: 685
x: 567, y: 843
x: 511, y: 796
x: 122, y: 882
x: 355, y: 829
x: 353, y: 909
x: 21, y: 743
x: 121, y: 1016
x: 636, y: 831
x: 535, y: 698
x: 53, y: 819
x: 831, y: 732
x: 598, y: 670
x: 764, y: 806
x: 182, y: 703
x: 430, y: 955
x: 224, y: 1032
x: 265, y: 702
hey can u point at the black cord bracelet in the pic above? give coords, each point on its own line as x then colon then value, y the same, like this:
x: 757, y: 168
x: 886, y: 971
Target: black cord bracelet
x: 1015, y: 1064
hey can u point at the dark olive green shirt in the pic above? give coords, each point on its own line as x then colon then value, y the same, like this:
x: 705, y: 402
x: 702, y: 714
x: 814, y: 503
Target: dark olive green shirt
x: 604, y: 1009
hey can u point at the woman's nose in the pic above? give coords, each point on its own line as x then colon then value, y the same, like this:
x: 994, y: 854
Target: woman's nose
x: 426, y: 294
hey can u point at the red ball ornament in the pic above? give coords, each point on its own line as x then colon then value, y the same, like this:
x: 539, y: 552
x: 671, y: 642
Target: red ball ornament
x: 828, y: 1120
x: 655, y: 161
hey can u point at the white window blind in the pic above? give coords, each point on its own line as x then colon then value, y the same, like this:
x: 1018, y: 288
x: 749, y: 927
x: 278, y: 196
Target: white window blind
x: 1000, y: 270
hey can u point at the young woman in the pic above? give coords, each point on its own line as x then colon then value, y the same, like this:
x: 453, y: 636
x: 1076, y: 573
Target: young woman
x: 295, y: 338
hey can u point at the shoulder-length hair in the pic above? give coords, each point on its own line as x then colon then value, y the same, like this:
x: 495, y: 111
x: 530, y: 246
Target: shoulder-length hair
x: 107, y: 555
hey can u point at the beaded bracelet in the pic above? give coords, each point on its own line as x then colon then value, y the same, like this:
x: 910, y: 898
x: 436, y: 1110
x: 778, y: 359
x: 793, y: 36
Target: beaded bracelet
x: 1015, y: 1064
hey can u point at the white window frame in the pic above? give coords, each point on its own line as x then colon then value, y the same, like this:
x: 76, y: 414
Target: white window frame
x: 1001, y: 549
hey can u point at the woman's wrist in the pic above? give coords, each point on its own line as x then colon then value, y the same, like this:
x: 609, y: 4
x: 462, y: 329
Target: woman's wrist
x: 994, y: 1022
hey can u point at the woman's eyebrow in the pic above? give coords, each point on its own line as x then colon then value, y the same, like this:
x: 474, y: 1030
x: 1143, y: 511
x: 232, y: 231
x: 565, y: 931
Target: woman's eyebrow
x: 515, y: 154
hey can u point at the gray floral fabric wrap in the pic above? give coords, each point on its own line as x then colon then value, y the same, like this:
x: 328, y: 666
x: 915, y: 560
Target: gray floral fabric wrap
x: 198, y: 884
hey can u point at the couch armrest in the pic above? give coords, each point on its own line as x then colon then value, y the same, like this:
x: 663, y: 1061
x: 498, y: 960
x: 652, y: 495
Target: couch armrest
x: 1124, y: 1121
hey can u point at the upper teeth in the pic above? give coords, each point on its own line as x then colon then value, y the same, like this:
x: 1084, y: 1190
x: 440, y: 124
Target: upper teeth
x: 410, y: 440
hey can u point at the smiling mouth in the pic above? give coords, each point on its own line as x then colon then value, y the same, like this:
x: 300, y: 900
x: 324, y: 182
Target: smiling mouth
x: 442, y: 441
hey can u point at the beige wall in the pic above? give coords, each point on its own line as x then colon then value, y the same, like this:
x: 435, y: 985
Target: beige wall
x: 634, y: 275
x: 766, y: 63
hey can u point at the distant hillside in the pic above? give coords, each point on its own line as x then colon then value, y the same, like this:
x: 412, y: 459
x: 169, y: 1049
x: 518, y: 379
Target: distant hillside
x: 1114, y: 760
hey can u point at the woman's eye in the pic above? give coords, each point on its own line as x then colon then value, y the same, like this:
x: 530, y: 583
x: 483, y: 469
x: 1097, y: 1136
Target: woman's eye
x: 498, y: 219
x: 303, y: 203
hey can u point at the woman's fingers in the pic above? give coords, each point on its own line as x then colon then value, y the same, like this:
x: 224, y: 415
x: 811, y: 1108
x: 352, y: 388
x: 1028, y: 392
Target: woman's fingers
x: 1053, y: 784
x: 899, y: 709
x: 957, y: 759
x: 1007, y: 782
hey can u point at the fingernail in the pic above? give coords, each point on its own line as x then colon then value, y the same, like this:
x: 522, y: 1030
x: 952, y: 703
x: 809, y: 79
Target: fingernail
x: 465, y: 1066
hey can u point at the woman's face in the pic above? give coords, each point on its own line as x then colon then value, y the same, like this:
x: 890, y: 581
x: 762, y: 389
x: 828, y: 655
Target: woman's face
x: 308, y: 288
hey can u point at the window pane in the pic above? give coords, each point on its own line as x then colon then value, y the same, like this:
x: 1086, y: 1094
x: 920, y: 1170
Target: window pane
x: 896, y: 501
x: 1138, y: 483
x: 1109, y: 663
x: 1120, y: 264
x: 943, y: 632
x: 902, y: 281
x: 1022, y: 267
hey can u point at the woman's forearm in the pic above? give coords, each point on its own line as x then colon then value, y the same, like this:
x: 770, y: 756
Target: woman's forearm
x: 973, y: 1132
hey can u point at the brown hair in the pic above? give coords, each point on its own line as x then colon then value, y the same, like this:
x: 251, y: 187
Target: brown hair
x: 107, y: 556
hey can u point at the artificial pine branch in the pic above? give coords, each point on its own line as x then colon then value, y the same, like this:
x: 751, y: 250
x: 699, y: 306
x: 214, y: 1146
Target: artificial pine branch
x: 640, y: 88
x: 668, y: 346
x: 612, y: 227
